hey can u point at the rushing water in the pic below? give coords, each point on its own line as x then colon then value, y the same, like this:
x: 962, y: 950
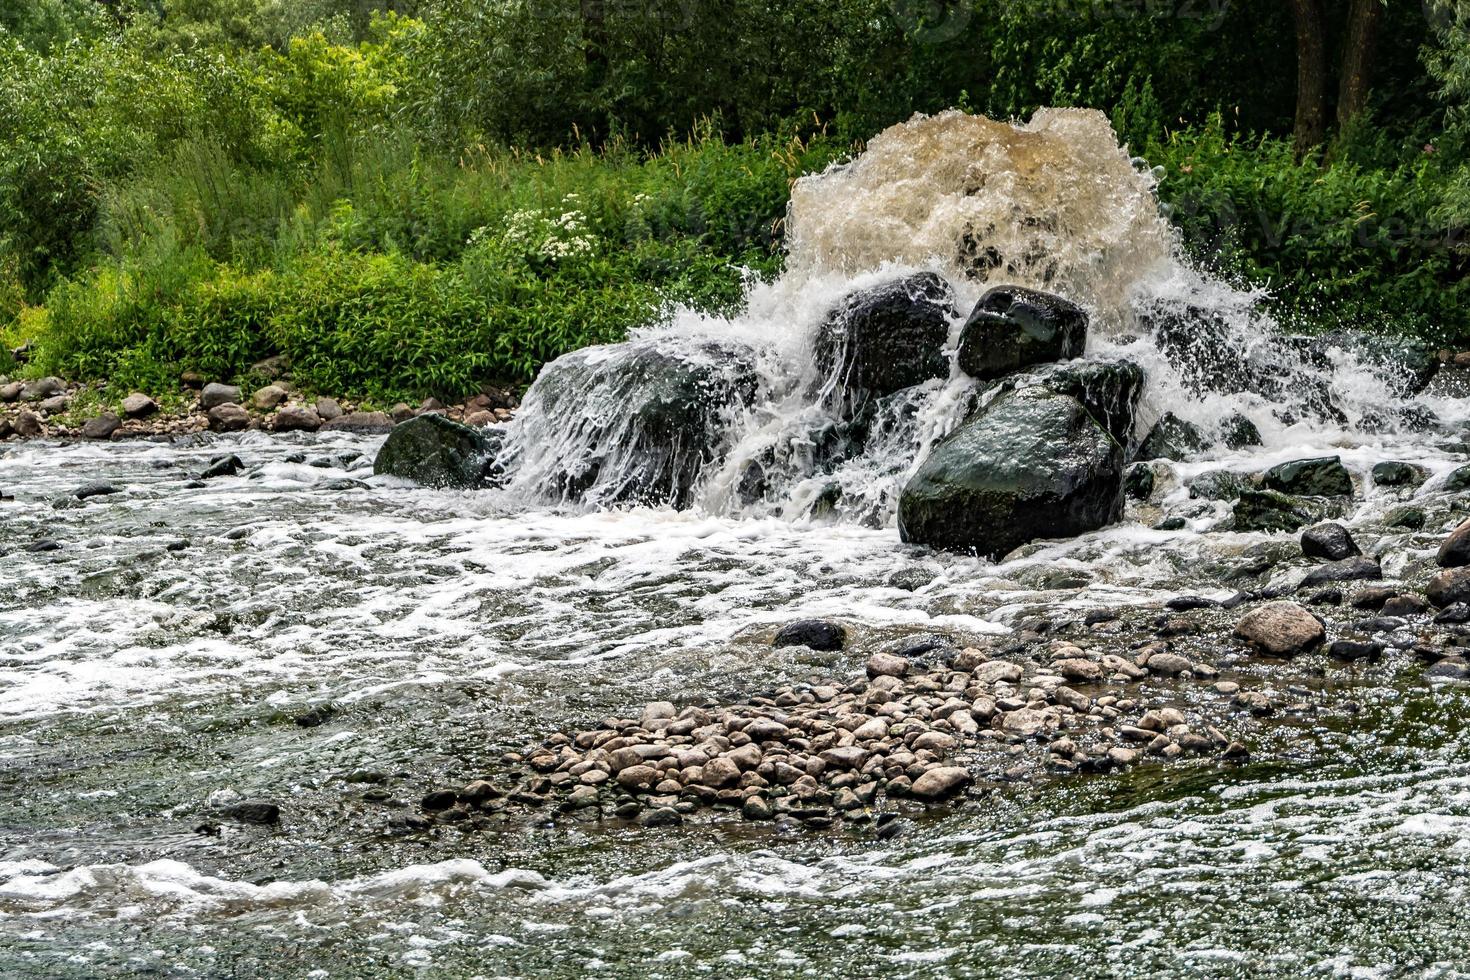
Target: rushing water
x: 153, y: 666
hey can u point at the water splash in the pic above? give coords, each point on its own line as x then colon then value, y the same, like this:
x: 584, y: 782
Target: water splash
x: 762, y: 422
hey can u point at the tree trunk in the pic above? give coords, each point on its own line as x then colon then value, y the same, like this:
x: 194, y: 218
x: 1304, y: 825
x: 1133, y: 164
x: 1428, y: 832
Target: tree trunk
x: 1311, y: 74
x: 594, y: 39
x: 1357, y: 59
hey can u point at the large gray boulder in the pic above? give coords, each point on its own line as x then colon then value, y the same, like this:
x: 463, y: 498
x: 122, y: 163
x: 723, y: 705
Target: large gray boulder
x: 889, y: 337
x: 1034, y: 464
x: 1108, y: 389
x: 1013, y: 327
x: 637, y: 422
x: 436, y: 452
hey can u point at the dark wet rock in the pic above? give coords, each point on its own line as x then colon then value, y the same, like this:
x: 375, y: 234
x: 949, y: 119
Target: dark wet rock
x: 101, y: 427
x: 433, y: 451
x: 1454, y: 551
x: 439, y: 800
x: 1407, y: 364
x: 1096, y: 616
x: 1458, y: 481
x: 1396, y: 474
x: 1327, y: 597
x: 815, y: 634
x: 228, y: 417
x: 316, y: 716
x: 646, y: 417
x: 216, y: 394
x: 1329, y: 540
x: 360, y: 423
x: 1379, y: 624
x: 43, y: 545
x: 664, y: 816
x: 1454, y: 614
x: 1034, y: 464
x: 1355, y: 650
x: 1346, y: 570
x: 1138, y: 483
x: 889, y: 337
x: 925, y: 647
x: 1109, y: 390
x: 1321, y: 477
x: 222, y: 466
x: 1455, y: 670
x: 1408, y: 518
x: 1219, y: 485
x: 1449, y: 587
x: 1271, y: 510
x: 1280, y: 629
x: 1013, y: 327
x: 1373, y: 597
x: 262, y: 812
x: 1171, y: 524
x: 94, y: 490
x: 1239, y: 432
x: 1172, y: 438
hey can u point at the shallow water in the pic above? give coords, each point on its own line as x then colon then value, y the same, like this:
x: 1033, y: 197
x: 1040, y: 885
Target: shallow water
x: 141, y: 688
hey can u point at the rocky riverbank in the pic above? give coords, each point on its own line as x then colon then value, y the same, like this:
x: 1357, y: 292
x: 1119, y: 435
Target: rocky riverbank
x: 51, y: 408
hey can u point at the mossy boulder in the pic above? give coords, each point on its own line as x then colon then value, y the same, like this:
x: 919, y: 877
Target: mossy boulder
x: 1392, y: 473
x: 1034, y: 464
x: 434, y: 451
x: 1108, y: 389
x: 1012, y: 327
x: 1272, y: 510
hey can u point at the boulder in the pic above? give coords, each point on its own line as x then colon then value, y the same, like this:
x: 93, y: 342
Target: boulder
x: 138, y: 406
x: 1321, y: 477
x: 328, y: 409
x: 1218, y: 485
x: 1408, y: 518
x: 269, y: 397
x: 816, y: 634
x: 1269, y: 510
x: 43, y: 388
x: 101, y: 427
x: 1454, y: 550
x: 433, y: 451
x: 1172, y: 438
x: 1280, y: 629
x: 638, y: 422
x: 1458, y: 481
x: 1239, y: 432
x: 361, y: 423
x: 11, y: 391
x: 296, y: 418
x: 940, y: 782
x: 28, y: 425
x: 1139, y: 481
x: 1013, y: 327
x: 1329, y: 540
x: 1034, y: 464
x: 890, y: 337
x: 1449, y: 587
x: 216, y: 394
x: 228, y: 417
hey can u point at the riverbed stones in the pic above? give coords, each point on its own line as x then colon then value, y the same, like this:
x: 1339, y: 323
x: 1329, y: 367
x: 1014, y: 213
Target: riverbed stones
x: 1280, y: 629
x: 1346, y: 570
x: 269, y: 397
x: 138, y: 406
x: 295, y: 418
x: 941, y: 782
x: 216, y: 394
x: 889, y: 337
x: 1034, y: 464
x: 434, y: 451
x: 259, y: 812
x: 43, y: 389
x: 1323, y: 476
x: 1329, y: 540
x: 360, y: 423
x: 1012, y: 327
x: 28, y: 425
x: 815, y: 634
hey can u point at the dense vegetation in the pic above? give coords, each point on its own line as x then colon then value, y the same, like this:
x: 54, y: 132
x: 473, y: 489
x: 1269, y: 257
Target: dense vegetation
x: 413, y: 197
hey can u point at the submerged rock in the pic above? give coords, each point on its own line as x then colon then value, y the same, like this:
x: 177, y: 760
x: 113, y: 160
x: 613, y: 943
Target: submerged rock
x: 1138, y: 484
x: 433, y: 451
x: 1172, y: 438
x: 1270, y: 510
x: 1034, y: 464
x: 1346, y: 570
x: 1321, y: 477
x: 889, y: 337
x: 1239, y: 432
x: 816, y: 634
x: 1013, y: 327
x: 1218, y: 485
x: 1396, y: 474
